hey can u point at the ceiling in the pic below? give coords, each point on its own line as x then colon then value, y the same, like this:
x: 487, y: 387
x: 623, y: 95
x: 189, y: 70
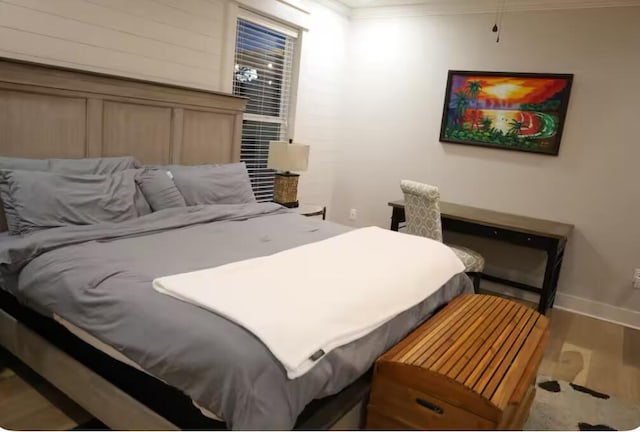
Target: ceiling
x: 375, y: 3
x: 507, y: 4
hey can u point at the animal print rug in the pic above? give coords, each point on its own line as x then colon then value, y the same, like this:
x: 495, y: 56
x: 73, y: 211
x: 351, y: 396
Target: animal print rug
x: 560, y: 405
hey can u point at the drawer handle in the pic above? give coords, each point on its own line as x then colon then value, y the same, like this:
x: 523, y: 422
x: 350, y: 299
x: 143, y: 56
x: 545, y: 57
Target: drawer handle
x: 430, y: 406
x: 495, y: 233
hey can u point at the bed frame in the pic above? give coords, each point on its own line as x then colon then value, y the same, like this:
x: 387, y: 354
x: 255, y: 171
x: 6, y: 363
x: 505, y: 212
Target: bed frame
x: 53, y: 112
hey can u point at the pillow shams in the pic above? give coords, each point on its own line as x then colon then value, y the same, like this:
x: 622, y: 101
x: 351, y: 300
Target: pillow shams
x: 213, y: 184
x: 40, y: 200
x: 106, y: 165
x: 159, y: 189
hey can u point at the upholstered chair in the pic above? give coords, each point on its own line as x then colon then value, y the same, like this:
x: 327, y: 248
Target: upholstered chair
x: 422, y: 213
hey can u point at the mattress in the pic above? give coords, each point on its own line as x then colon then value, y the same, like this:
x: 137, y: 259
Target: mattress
x: 116, y: 355
x: 98, y: 278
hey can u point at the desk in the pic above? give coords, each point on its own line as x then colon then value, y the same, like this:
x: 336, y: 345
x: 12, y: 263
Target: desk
x: 545, y: 235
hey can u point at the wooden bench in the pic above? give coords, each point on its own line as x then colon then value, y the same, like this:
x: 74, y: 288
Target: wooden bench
x: 471, y: 366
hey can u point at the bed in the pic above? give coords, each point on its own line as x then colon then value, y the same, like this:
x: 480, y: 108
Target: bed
x: 79, y: 308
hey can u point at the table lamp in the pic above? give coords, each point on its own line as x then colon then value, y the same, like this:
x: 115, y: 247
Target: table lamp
x: 285, y: 157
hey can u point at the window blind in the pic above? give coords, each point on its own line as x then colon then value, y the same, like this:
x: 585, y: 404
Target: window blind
x: 263, y: 73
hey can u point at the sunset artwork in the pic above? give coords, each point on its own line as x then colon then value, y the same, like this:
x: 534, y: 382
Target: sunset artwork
x: 513, y: 111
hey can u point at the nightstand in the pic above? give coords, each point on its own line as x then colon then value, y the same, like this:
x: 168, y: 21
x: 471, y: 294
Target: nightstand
x: 312, y: 210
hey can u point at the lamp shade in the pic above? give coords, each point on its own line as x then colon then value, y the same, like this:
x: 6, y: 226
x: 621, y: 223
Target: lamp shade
x: 288, y: 157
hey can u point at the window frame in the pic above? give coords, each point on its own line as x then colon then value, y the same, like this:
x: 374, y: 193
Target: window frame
x: 286, y: 120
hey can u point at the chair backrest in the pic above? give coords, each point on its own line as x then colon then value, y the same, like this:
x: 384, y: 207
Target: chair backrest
x: 422, y: 209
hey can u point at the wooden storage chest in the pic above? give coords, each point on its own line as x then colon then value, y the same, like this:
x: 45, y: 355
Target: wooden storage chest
x: 472, y: 365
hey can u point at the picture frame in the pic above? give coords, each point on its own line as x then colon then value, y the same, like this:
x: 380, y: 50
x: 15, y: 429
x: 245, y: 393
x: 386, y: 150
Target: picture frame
x: 506, y: 110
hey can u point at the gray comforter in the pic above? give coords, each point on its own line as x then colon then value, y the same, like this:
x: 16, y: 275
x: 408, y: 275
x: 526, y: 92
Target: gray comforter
x: 99, y: 278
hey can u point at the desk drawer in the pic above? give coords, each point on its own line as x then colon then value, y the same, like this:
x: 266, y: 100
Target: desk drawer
x: 515, y: 237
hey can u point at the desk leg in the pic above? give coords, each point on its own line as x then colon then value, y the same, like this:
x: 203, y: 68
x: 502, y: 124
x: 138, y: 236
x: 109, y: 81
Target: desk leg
x: 551, y: 276
x: 395, y: 220
x: 397, y: 216
x: 556, y: 276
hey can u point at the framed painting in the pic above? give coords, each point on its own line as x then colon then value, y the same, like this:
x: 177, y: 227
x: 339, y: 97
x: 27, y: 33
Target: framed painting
x: 513, y: 111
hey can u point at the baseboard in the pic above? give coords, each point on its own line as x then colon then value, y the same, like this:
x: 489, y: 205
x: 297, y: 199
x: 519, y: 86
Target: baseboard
x: 594, y: 309
x: 579, y: 305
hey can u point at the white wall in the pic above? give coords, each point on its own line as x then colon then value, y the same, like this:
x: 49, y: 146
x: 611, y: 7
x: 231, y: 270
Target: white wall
x: 185, y: 42
x: 320, y: 96
x: 396, y: 80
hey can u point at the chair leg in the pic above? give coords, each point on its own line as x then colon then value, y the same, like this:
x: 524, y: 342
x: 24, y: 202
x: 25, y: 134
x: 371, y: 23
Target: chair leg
x: 476, y: 281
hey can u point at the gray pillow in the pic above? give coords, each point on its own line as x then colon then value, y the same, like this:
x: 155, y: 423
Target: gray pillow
x: 10, y: 163
x: 213, y: 184
x: 106, y: 165
x: 3, y: 217
x: 159, y: 189
x: 142, y: 205
x: 40, y: 200
x: 9, y: 215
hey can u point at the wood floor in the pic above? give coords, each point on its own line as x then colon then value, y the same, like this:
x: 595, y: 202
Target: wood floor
x: 593, y: 353
x: 583, y: 350
x: 29, y: 402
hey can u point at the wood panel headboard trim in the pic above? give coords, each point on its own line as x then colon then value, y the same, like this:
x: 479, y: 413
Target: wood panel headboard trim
x: 50, y: 111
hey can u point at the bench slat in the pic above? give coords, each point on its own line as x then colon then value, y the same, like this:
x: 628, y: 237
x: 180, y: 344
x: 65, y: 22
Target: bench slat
x: 455, y: 355
x: 454, y: 333
x: 476, y: 365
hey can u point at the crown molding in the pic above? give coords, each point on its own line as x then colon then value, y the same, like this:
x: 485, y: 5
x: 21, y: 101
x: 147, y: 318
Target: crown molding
x: 296, y: 4
x: 462, y: 7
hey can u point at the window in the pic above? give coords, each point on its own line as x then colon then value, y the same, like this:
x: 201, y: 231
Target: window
x: 263, y: 73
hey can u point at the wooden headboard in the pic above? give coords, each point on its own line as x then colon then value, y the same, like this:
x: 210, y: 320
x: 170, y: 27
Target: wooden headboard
x: 52, y: 112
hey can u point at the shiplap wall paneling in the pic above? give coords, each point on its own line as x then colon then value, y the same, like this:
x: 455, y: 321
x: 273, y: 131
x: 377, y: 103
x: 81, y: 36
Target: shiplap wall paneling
x: 172, y: 41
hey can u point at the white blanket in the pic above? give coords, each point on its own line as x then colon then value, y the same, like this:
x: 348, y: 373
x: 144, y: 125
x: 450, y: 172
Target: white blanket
x: 304, y: 302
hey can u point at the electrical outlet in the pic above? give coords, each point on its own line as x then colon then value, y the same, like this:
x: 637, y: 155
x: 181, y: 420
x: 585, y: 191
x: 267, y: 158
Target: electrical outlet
x: 636, y: 278
x: 353, y: 214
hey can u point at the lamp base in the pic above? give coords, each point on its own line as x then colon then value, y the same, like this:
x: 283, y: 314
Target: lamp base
x: 294, y: 204
x: 285, y: 189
